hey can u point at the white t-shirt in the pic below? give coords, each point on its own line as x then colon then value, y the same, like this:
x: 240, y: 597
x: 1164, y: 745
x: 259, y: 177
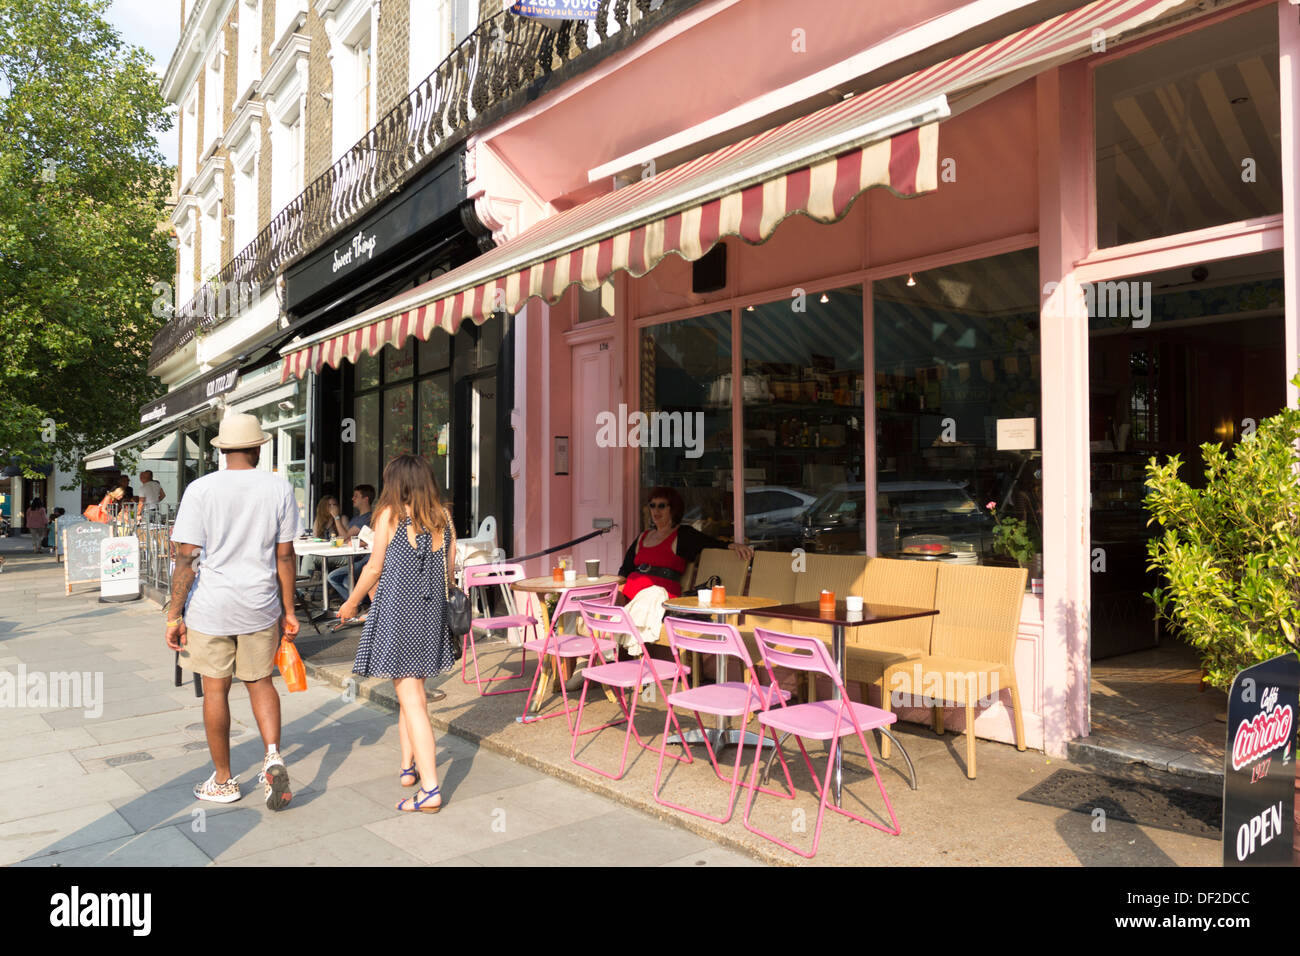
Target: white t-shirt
x: 150, y: 491
x: 237, y: 518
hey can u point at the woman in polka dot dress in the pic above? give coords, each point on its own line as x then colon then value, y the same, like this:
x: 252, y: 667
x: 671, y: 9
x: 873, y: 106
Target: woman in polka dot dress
x: 406, y: 637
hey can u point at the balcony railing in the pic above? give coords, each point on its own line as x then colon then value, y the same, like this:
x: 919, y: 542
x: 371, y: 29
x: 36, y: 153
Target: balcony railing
x: 501, y: 59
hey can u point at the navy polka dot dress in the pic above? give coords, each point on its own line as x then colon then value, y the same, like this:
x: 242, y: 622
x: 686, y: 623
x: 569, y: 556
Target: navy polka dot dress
x: 406, y: 630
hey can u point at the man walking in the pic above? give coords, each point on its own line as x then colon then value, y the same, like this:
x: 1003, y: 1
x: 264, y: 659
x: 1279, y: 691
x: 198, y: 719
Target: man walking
x: 242, y: 521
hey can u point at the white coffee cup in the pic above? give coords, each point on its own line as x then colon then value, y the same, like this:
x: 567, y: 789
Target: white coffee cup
x: 852, y: 603
x: 705, y: 596
x: 570, y: 575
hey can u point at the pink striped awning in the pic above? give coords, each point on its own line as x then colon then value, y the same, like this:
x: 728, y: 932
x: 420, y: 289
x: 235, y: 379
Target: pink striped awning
x: 816, y: 165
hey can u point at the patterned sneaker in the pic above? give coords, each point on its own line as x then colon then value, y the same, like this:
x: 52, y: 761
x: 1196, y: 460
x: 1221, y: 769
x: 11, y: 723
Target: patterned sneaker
x: 214, y: 792
x: 275, y: 782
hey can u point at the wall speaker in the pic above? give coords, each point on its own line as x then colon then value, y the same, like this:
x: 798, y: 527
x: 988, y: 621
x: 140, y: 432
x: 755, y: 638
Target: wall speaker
x: 709, y: 273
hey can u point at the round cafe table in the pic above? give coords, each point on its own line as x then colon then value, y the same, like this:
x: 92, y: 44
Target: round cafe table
x: 324, y: 549
x: 546, y: 585
x: 733, y: 607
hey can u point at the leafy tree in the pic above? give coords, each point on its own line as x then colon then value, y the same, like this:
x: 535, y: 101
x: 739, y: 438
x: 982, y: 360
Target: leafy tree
x: 83, y: 192
x: 1230, y: 552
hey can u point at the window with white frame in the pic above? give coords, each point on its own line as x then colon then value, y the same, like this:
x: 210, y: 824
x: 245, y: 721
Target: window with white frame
x: 250, y: 46
x: 428, y: 45
x: 245, y: 225
x: 287, y: 159
x: 213, y: 92
x: 185, y: 266
x: 210, y: 240
x: 285, y: 11
x: 354, y: 71
x: 190, y: 146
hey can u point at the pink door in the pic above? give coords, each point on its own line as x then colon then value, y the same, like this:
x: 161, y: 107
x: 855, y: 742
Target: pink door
x: 596, y: 472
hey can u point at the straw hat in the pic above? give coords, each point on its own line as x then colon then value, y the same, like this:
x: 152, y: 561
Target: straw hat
x: 240, y: 431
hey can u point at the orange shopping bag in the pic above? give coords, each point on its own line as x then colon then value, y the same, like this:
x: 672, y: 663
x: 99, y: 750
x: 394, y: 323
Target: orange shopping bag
x: 290, y: 664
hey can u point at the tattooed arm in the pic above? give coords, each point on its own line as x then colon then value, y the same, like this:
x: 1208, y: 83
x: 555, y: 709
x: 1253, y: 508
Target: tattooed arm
x: 182, y: 580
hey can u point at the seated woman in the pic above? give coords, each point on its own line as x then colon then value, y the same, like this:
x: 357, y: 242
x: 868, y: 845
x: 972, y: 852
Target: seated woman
x: 312, y: 564
x: 655, y: 562
x: 660, y: 555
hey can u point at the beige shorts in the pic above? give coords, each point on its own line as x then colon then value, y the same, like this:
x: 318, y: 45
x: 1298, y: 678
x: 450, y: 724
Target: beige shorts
x: 249, y: 657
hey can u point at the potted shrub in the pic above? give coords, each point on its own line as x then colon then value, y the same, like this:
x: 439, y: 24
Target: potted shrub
x: 1229, y: 553
x: 1013, y: 538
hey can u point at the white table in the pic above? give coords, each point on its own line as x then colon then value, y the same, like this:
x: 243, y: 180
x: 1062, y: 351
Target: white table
x: 302, y: 547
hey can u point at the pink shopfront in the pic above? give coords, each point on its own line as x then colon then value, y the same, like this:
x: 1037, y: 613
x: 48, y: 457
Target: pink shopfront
x: 1082, y: 252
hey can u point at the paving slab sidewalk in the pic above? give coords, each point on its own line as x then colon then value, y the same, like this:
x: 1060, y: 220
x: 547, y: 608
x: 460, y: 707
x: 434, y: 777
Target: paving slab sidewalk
x: 114, y: 788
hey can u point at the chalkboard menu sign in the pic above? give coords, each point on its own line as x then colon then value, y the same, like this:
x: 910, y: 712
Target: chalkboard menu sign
x: 1259, y: 764
x: 67, y: 521
x: 81, y: 547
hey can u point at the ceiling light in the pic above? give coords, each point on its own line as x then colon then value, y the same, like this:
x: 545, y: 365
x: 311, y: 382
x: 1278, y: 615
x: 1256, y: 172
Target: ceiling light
x: 911, y: 280
x: 825, y: 298
x: 749, y: 308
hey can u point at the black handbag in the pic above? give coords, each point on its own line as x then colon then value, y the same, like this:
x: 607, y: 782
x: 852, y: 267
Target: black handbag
x: 458, y: 611
x: 712, y: 581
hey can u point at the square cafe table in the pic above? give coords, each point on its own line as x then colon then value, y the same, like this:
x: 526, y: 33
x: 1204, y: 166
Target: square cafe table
x: 839, y: 620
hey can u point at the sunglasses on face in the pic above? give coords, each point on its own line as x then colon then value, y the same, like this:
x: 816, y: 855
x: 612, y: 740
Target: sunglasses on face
x: 656, y: 505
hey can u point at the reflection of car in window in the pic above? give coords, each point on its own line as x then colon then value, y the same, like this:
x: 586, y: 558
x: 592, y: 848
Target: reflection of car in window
x: 918, y: 516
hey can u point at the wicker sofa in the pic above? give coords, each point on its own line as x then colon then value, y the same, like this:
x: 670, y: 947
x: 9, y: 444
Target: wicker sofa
x: 973, y: 633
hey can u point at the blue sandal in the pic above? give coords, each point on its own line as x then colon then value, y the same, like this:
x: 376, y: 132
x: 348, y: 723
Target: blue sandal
x: 417, y: 802
x: 411, y: 772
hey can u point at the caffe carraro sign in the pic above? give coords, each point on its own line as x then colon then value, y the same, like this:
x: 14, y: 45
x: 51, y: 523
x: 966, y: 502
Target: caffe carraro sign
x: 188, y: 396
x: 351, y: 253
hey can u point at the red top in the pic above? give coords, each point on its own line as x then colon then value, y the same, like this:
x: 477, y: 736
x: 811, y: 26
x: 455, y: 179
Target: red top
x: 660, y: 555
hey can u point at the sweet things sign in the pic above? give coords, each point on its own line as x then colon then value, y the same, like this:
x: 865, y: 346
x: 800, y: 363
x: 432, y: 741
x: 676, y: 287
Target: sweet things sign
x: 1259, y: 776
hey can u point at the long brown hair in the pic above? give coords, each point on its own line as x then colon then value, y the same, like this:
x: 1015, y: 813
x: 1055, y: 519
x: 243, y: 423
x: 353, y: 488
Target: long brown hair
x: 409, y: 481
x: 324, y: 520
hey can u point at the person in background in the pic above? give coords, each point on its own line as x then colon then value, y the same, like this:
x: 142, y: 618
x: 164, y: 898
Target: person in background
x: 151, y: 493
x: 99, y: 512
x: 362, y: 498
x: 55, y: 515
x: 313, y: 564
x: 37, y: 522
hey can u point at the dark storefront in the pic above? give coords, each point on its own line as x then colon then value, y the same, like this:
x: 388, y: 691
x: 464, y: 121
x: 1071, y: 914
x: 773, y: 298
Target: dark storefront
x: 447, y: 399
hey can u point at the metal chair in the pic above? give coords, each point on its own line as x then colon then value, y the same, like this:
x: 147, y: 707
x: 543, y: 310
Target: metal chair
x: 562, y: 646
x: 487, y: 576
x: 730, y: 699
x: 621, y: 676
x: 822, y: 720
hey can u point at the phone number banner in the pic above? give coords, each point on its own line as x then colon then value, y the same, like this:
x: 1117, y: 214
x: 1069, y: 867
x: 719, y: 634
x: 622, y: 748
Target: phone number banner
x: 557, y: 9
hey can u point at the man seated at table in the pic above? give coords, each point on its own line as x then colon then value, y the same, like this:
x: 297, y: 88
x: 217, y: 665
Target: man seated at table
x: 362, y: 498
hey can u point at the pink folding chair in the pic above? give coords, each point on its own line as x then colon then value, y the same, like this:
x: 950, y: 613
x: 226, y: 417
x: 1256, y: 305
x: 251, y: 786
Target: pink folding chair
x: 610, y: 621
x: 487, y: 576
x: 823, y: 720
x: 561, y: 645
x: 729, y: 699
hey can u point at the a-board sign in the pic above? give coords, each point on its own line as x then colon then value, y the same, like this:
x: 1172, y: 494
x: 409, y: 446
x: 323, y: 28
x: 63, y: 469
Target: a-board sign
x: 119, y: 569
x: 67, y: 521
x: 81, y: 545
x: 1259, y: 764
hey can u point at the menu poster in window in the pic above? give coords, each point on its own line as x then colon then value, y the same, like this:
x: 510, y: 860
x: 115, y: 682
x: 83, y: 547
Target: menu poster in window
x: 1017, y: 434
x: 561, y: 454
x: 1259, y: 764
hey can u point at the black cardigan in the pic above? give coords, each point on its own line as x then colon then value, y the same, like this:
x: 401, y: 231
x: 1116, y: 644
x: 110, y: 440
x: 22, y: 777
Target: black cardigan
x: 688, y: 546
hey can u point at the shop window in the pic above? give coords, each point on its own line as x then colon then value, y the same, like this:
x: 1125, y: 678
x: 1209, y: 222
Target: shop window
x: 365, y: 374
x: 435, y: 427
x: 956, y: 357
x: 1188, y: 132
x: 686, y: 439
x: 399, y: 364
x: 803, y: 414
x: 399, y: 422
x: 365, y: 461
x: 435, y: 354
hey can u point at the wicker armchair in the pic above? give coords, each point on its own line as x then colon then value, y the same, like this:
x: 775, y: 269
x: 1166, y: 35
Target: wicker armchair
x: 974, y: 634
